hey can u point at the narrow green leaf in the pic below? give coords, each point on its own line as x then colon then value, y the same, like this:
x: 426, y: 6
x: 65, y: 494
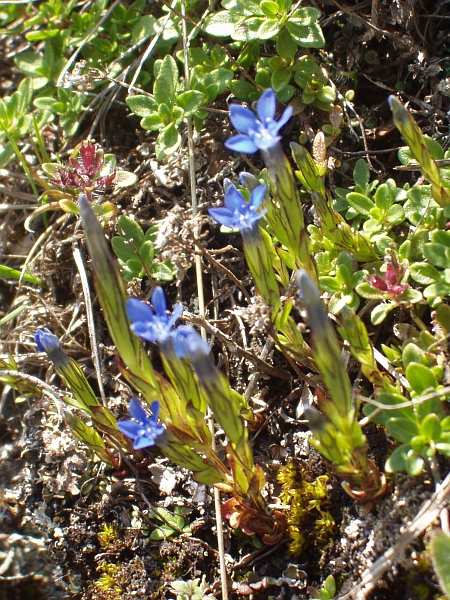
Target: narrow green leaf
x: 10, y: 273
x: 112, y: 295
x: 440, y: 555
x: 326, y: 350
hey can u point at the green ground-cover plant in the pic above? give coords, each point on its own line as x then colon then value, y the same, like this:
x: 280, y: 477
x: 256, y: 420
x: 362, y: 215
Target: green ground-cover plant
x: 246, y: 20
x: 167, y: 108
x: 108, y: 38
x: 136, y: 252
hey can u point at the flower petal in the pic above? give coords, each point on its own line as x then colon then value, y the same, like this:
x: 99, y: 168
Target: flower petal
x: 241, y: 143
x: 242, y: 118
x: 155, y: 409
x: 257, y: 196
x: 287, y: 114
x: 265, y: 106
x: 138, y: 310
x: 224, y: 216
x: 147, y: 331
x: 159, y: 301
x: 248, y: 180
x: 143, y: 441
x: 176, y: 314
x: 129, y: 428
x: 234, y: 200
x: 188, y: 342
x: 136, y: 410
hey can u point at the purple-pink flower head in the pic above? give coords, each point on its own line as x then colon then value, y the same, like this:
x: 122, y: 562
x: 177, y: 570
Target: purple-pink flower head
x: 391, y: 281
x: 260, y: 133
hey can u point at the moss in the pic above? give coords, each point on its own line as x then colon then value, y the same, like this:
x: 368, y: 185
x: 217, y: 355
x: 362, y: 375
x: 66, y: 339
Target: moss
x: 306, y: 512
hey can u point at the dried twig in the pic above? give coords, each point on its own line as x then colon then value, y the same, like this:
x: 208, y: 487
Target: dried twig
x: 201, y: 305
x: 425, y: 517
x: 90, y: 320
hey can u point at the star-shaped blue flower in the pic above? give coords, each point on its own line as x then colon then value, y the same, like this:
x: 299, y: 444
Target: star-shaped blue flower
x: 257, y: 134
x: 237, y: 213
x: 152, y: 324
x: 144, y: 429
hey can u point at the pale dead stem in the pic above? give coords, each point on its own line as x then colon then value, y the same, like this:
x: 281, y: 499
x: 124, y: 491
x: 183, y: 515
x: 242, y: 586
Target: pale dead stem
x: 201, y: 302
x: 90, y: 319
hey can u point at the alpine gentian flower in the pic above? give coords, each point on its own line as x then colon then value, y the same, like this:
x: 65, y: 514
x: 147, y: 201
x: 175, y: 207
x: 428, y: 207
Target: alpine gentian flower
x: 257, y: 134
x: 187, y: 342
x: 144, y: 429
x: 152, y: 324
x: 46, y: 340
x: 237, y: 213
x: 49, y: 343
x: 243, y: 215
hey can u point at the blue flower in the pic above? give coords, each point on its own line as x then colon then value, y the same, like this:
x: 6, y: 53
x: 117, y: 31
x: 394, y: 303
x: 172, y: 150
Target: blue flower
x: 237, y: 213
x: 152, y: 324
x: 257, y: 134
x: 144, y: 429
x: 46, y: 340
x: 49, y: 343
x: 187, y: 342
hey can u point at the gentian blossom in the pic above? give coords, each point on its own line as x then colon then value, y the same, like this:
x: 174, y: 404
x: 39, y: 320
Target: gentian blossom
x: 237, y: 213
x: 143, y: 430
x: 46, y: 340
x: 187, y: 342
x: 257, y: 134
x: 152, y: 324
x: 49, y: 343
